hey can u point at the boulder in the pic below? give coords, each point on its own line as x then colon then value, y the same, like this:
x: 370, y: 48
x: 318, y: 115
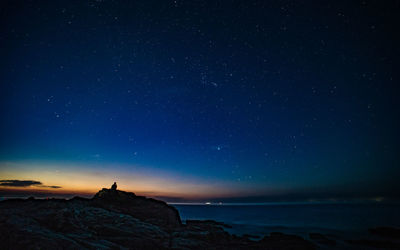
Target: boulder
x: 145, y: 209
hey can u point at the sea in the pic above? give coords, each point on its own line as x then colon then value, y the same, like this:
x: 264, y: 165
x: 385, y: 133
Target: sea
x: 341, y: 220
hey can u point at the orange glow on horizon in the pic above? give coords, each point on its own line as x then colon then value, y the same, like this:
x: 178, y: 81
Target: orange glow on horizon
x: 84, y: 180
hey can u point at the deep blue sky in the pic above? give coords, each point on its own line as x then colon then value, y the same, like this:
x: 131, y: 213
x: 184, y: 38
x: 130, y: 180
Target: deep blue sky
x: 269, y: 97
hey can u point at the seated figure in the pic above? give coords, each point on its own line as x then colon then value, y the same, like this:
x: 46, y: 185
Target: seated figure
x: 114, y: 186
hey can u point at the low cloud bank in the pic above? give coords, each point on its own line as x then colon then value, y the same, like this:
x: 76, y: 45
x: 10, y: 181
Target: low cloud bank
x: 24, y: 183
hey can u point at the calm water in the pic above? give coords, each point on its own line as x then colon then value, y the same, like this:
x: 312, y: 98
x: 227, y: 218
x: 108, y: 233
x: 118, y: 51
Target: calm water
x: 261, y: 219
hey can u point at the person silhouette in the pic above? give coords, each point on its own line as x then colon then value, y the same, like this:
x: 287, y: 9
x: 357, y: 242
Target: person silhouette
x: 114, y: 186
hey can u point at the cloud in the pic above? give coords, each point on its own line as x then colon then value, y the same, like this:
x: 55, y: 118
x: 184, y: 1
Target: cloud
x: 27, y: 183
x: 18, y: 183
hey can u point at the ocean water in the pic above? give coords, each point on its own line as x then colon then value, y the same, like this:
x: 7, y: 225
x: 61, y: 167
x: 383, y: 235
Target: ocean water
x: 297, y: 218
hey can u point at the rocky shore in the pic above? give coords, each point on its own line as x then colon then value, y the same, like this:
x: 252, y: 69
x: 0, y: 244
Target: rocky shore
x: 115, y: 219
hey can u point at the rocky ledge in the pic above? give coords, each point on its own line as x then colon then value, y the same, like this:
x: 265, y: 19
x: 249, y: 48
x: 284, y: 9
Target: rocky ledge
x: 145, y: 209
x: 115, y: 219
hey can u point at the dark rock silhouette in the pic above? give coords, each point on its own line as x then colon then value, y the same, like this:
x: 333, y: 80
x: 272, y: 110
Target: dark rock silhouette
x: 322, y: 239
x: 115, y: 219
x: 146, y: 209
x: 388, y: 232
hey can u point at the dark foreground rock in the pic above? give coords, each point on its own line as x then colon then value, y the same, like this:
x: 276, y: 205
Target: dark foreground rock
x: 380, y: 238
x: 389, y: 232
x: 380, y: 244
x: 322, y: 239
x: 115, y: 219
x: 146, y: 209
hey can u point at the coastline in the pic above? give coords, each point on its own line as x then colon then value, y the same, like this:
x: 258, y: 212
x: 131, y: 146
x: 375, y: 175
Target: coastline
x: 146, y: 223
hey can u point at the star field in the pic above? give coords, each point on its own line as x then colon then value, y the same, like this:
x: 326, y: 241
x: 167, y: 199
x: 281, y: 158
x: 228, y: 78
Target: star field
x: 255, y: 97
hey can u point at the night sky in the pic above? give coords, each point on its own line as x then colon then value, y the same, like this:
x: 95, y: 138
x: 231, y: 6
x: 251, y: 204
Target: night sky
x: 201, y: 100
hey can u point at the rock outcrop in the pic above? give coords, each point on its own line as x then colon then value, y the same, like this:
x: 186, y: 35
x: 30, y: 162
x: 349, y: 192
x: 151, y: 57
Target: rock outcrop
x: 114, y: 219
x: 388, y: 232
x: 73, y: 224
x: 146, y: 209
